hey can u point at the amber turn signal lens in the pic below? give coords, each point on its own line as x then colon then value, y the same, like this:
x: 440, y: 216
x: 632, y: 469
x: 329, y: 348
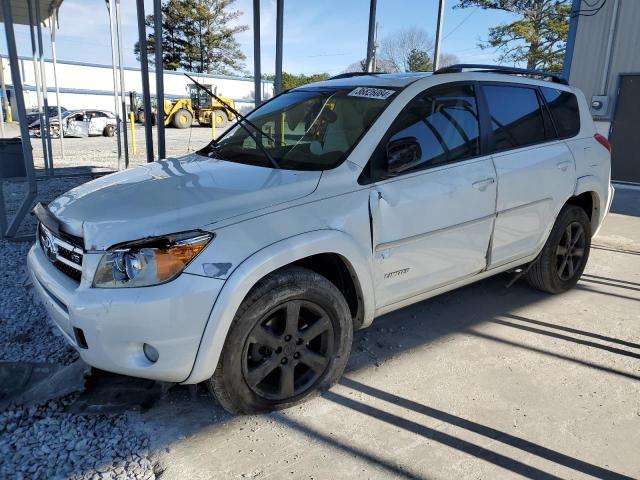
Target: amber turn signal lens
x: 172, y: 260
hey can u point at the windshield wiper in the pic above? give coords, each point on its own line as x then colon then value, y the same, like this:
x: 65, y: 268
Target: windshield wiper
x: 242, y: 117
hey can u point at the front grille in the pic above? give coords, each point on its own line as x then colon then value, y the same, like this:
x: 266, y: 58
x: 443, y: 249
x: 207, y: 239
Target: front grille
x: 65, y: 256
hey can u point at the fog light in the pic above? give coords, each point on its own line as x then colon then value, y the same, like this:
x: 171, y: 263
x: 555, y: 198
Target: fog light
x: 150, y: 352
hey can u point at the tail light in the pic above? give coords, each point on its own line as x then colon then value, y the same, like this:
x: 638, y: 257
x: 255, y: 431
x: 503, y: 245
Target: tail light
x: 602, y: 140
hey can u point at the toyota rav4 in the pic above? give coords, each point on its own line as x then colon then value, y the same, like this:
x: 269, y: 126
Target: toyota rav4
x: 249, y: 264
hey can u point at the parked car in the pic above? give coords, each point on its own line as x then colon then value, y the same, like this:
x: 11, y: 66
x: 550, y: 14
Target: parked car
x: 34, y: 115
x: 249, y: 264
x: 81, y: 123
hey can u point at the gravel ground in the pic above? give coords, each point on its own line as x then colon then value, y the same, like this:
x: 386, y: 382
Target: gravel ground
x: 45, y: 441
x: 102, y: 151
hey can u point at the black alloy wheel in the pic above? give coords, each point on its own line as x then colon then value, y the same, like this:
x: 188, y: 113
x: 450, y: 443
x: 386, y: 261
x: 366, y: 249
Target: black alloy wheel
x: 564, y: 256
x: 289, y: 340
x: 288, y: 350
x: 570, y: 251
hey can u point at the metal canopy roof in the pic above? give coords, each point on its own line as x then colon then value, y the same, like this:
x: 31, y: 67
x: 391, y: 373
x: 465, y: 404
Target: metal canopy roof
x: 20, y: 10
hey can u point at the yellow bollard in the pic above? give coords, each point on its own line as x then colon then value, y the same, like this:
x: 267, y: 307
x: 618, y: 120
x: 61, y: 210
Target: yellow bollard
x: 213, y: 126
x: 282, y: 129
x: 133, y: 133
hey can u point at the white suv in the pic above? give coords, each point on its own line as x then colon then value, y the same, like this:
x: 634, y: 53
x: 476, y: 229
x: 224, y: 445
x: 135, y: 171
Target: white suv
x: 249, y: 264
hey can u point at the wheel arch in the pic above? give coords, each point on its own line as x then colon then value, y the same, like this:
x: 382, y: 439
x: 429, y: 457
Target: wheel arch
x: 310, y: 250
x: 593, y: 197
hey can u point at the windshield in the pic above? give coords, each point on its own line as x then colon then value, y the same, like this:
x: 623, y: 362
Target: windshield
x: 304, y: 129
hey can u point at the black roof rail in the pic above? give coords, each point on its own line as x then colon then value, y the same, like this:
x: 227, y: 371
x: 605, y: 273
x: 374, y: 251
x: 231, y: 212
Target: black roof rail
x: 354, y: 74
x: 457, y: 68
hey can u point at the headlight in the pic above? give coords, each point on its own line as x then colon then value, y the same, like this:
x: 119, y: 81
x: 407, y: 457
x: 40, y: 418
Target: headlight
x: 149, y: 262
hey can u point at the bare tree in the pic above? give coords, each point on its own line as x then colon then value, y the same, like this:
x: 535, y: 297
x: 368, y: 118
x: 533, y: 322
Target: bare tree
x: 447, y: 59
x: 397, y: 47
x: 382, y: 66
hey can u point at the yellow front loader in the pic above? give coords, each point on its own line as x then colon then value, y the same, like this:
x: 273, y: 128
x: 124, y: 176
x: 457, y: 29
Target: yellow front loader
x: 182, y: 112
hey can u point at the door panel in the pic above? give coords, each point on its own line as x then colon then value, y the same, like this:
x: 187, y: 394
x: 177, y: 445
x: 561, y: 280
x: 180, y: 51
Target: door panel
x: 431, y: 228
x: 533, y: 184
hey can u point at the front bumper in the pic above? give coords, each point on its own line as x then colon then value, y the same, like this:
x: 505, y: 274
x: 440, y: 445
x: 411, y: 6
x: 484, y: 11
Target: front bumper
x: 117, y: 322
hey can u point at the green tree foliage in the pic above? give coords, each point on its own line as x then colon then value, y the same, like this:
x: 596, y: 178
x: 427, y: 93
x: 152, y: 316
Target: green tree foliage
x: 291, y: 80
x: 198, y: 36
x: 538, y: 38
x: 419, y: 61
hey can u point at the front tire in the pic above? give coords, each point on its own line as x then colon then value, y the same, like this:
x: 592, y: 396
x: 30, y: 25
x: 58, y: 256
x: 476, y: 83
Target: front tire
x: 564, y: 257
x: 182, y: 118
x: 289, y: 340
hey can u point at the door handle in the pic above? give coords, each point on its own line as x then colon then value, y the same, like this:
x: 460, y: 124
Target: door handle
x: 483, y: 184
x: 563, y: 165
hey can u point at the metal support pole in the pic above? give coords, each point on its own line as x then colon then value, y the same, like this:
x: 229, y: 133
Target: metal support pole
x: 24, y: 128
x: 257, y: 73
x: 571, y: 40
x: 115, y: 81
x: 142, y: 38
x: 52, y: 31
x: 279, y: 42
x: 36, y: 74
x: 371, y: 37
x: 43, y: 83
x: 122, y: 87
x: 436, y: 46
x: 3, y: 87
x: 157, y: 31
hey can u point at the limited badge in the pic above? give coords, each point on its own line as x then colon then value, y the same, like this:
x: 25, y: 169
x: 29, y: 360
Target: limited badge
x: 370, y: 92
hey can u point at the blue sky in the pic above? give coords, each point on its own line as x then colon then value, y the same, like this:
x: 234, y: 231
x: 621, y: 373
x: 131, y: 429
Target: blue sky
x: 323, y: 36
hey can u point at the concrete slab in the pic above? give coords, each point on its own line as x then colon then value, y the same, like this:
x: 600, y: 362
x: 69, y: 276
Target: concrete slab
x: 483, y: 382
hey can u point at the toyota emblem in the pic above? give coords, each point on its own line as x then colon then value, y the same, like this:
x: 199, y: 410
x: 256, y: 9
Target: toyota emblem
x: 49, y: 246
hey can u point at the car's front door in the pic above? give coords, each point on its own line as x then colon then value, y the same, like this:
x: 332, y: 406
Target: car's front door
x: 536, y: 173
x: 431, y: 224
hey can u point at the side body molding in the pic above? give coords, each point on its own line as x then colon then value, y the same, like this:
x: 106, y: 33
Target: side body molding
x: 263, y: 262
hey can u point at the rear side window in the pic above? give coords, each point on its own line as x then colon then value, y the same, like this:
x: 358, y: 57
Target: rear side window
x: 564, y: 110
x: 444, y: 123
x: 516, y: 116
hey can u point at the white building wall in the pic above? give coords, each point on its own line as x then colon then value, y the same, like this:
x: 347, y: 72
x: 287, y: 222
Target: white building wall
x: 90, y: 86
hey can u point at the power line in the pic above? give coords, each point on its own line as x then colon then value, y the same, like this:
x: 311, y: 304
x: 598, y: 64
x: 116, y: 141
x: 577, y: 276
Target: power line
x: 589, y: 12
x: 460, y: 24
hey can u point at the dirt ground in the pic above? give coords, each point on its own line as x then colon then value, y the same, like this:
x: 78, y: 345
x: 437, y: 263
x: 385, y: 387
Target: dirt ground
x: 484, y: 382
x: 102, y: 152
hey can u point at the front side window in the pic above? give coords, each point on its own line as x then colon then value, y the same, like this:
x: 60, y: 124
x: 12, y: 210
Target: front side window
x: 516, y: 116
x: 564, y: 110
x: 305, y: 129
x: 445, y: 124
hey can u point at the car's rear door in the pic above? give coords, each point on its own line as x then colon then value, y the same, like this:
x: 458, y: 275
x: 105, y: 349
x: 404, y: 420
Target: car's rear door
x: 431, y: 224
x: 536, y: 171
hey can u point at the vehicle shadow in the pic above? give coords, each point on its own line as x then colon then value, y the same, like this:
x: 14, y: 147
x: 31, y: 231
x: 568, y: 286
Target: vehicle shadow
x: 415, y: 327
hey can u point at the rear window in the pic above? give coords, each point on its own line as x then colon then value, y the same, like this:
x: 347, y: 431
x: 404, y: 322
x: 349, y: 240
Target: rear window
x: 516, y: 116
x: 564, y: 110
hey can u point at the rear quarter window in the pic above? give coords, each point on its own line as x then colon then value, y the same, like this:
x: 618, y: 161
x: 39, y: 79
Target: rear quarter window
x: 564, y: 110
x: 516, y: 116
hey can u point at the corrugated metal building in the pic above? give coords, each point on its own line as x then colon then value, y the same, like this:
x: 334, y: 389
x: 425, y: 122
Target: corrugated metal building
x: 605, y: 65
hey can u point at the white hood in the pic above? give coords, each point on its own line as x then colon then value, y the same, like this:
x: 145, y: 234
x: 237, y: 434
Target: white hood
x: 173, y: 195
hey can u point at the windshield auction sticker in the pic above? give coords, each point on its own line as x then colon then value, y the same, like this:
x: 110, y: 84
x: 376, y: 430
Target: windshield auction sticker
x: 368, y: 92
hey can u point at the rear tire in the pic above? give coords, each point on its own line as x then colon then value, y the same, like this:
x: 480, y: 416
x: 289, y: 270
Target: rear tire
x: 108, y: 131
x: 219, y: 115
x: 182, y: 119
x: 564, y: 257
x: 289, y: 341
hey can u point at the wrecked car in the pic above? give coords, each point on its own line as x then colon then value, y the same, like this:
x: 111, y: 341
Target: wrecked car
x: 249, y: 264
x: 80, y: 123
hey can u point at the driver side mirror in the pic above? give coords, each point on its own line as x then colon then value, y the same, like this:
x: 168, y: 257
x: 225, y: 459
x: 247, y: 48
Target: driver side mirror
x: 402, y: 154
